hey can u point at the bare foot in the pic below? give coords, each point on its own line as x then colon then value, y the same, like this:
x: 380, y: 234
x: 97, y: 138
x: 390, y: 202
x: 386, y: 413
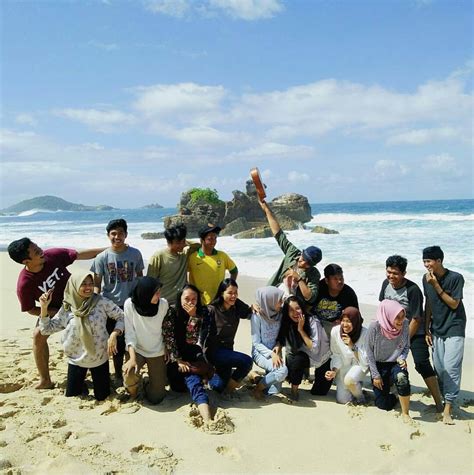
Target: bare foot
x: 406, y: 418
x: 447, y: 419
x: 44, y: 384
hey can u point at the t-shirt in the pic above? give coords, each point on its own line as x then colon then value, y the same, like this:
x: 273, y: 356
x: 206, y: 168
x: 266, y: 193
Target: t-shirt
x: 311, y: 275
x: 119, y: 272
x: 171, y: 270
x: 409, y: 297
x: 329, y: 309
x: 207, y: 272
x: 31, y: 285
x: 446, y: 322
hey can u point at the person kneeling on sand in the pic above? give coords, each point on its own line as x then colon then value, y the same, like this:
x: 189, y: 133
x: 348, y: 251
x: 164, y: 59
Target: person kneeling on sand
x: 388, y: 344
x: 349, y: 357
x: 86, y: 341
x: 144, y: 314
x: 265, y: 326
x: 306, y: 344
x: 184, y: 334
x: 225, y: 313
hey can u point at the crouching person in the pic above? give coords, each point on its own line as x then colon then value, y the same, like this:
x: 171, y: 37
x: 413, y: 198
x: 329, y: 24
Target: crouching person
x: 144, y: 315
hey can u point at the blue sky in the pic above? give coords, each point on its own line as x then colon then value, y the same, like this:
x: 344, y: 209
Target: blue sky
x: 131, y: 102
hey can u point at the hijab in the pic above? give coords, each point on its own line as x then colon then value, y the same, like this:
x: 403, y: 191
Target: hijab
x: 143, y: 293
x: 81, y: 308
x: 267, y: 299
x: 386, y: 313
x: 356, y: 319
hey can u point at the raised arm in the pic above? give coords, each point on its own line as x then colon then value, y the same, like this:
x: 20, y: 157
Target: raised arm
x: 272, y: 221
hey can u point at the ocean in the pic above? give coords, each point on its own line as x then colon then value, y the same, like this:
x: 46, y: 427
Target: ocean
x: 368, y: 234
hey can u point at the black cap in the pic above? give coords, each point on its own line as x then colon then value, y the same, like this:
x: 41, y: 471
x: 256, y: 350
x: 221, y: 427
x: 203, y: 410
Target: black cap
x: 210, y: 228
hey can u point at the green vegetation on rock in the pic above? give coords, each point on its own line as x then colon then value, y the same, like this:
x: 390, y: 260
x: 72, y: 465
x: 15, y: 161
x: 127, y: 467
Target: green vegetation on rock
x: 206, y: 195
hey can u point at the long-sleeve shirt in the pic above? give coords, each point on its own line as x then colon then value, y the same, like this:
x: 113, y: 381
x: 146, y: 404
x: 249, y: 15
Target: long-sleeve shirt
x: 311, y: 275
x: 381, y: 349
x: 343, y: 356
x: 264, y: 335
x: 72, y: 344
x: 144, y: 334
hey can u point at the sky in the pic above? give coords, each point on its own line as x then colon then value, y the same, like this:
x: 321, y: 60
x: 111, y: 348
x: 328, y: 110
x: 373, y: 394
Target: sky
x: 127, y: 103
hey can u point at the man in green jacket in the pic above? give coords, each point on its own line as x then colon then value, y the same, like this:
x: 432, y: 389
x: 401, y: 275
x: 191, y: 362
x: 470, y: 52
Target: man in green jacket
x: 297, y: 270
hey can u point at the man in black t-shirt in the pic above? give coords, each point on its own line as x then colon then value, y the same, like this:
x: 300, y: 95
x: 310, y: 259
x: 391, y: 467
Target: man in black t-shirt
x: 333, y: 297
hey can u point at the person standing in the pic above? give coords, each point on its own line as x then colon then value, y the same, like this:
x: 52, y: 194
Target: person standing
x: 43, y: 271
x: 445, y: 324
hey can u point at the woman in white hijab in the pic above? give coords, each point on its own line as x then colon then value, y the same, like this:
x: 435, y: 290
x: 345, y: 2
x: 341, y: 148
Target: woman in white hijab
x: 86, y: 342
x: 265, y: 327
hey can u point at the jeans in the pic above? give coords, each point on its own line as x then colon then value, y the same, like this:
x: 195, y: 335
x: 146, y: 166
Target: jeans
x: 179, y: 382
x: 225, y: 361
x: 421, y: 356
x: 274, y: 376
x: 447, y: 357
x: 391, y: 373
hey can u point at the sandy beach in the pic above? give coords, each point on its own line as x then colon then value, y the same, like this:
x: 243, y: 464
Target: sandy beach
x: 44, y: 432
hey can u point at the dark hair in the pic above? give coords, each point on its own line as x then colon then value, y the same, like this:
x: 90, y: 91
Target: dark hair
x: 115, y: 224
x: 433, y: 252
x: 179, y: 308
x: 223, y: 286
x: 287, y: 330
x: 332, y: 269
x: 397, y: 261
x: 18, y: 250
x: 177, y: 232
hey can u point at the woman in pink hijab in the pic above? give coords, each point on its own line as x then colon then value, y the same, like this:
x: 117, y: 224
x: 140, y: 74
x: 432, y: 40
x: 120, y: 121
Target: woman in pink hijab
x: 388, y: 344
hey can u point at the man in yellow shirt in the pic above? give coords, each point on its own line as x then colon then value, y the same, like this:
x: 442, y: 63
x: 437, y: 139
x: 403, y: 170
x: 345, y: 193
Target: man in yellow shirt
x: 207, y: 266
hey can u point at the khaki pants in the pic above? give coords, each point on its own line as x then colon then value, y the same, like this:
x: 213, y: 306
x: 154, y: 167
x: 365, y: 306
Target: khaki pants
x: 155, y: 389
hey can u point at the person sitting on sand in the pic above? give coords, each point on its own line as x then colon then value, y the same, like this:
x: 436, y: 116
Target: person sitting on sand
x: 297, y: 272
x: 170, y: 265
x: 86, y: 341
x: 333, y: 297
x: 144, y: 314
x: 387, y: 348
x: 306, y: 344
x: 207, y: 266
x: 397, y: 287
x: 445, y: 324
x: 225, y: 313
x: 349, y: 357
x: 184, y: 336
x: 44, y: 270
x: 265, y: 325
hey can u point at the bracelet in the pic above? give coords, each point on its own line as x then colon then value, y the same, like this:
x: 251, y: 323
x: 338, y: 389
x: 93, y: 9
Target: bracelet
x: 441, y: 293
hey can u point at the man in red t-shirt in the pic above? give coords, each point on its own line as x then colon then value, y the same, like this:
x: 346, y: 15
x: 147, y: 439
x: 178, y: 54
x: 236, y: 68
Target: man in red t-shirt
x: 43, y: 271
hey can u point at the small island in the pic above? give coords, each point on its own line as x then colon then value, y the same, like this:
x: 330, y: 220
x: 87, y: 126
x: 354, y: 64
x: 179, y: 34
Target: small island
x: 152, y: 206
x: 51, y: 203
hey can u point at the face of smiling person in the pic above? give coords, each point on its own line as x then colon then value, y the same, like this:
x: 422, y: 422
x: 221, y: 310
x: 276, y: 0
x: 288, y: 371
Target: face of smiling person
x: 302, y: 264
x: 398, y: 322
x: 117, y: 238
x: 230, y: 296
x: 395, y: 276
x: 346, y: 325
x: 35, y: 256
x: 189, y: 297
x: 294, y: 311
x: 209, y: 242
x: 433, y: 265
x: 87, y: 287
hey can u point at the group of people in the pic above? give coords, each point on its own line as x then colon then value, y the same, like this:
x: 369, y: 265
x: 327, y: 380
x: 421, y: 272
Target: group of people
x: 181, y: 319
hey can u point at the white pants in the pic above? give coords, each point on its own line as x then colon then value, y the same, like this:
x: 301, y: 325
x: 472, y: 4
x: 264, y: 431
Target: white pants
x: 349, y: 383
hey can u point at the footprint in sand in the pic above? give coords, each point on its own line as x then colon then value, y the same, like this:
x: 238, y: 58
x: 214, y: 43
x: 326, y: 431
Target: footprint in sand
x: 161, y: 457
x: 46, y: 400
x: 221, y: 424
x: 355, y: 412
x: 58, y: 423
x: 6, y: 414
x: 10, y: 387
x: 230, y: 452
x: 386, y: 447
x: 416, y: 434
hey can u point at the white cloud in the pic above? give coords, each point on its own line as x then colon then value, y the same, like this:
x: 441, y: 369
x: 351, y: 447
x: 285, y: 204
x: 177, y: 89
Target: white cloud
x: 101, y: 120
x: 422, y: 136
x: 390, y: 169
x: 174, y: 8
x: 273, y: 150
x: 442, y: 164
x: 26, y: 119
x: 248, y: 9
x: 298, y: 177
x: 103, y: 46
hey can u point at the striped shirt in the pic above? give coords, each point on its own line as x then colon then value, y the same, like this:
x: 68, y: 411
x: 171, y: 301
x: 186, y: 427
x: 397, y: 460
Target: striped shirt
x: 381, y: 349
